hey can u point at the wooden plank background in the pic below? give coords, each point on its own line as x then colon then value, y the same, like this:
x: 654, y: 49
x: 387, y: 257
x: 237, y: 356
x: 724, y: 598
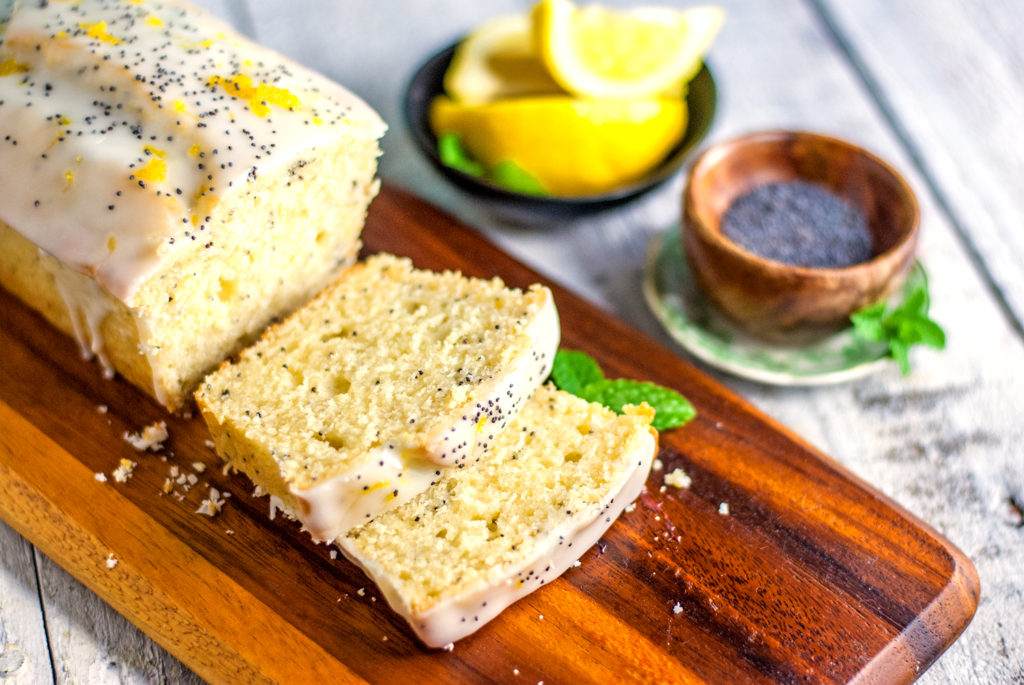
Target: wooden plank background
x: 936, y: 87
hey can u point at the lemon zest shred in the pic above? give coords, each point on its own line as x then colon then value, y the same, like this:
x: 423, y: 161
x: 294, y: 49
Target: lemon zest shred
x: 98, y: 30
x: 154, y: 171
x: 257, y: 95
x: 11, y: 66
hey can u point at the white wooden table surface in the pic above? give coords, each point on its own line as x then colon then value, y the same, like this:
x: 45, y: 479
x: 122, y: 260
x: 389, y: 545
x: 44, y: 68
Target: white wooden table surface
x: 935, y: 87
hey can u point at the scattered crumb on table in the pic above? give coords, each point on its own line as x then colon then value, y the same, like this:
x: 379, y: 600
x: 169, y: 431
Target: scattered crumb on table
x: 212, y: 505
x: 124, y: 471
x: 149, y: 438
x: 678, y: 479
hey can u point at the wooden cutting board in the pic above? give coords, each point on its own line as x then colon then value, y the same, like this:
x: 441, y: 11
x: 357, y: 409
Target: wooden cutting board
x: 811, y: 576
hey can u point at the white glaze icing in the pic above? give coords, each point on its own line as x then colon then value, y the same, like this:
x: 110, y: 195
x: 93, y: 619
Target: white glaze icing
x: 87, y: 308
x: 389, y: 477
x: 122, y: 122
x: 457, y: 616
x: 472, y: 431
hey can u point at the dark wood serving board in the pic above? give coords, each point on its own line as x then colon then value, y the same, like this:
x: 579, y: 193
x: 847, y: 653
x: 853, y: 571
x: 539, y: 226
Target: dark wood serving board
x: 813, y: 576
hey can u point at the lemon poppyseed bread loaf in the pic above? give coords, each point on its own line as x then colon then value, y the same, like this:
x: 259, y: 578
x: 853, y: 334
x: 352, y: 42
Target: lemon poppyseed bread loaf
x: 168, y: 188
x: 361, y: 398
x: 453, y: 557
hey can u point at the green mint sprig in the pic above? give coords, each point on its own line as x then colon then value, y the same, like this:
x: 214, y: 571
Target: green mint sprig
x: 505, y: 173
x: 579, y: 374
x: 902, y: 326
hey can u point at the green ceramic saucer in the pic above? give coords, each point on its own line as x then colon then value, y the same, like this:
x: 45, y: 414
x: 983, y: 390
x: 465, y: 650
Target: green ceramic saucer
x: 694, y: 323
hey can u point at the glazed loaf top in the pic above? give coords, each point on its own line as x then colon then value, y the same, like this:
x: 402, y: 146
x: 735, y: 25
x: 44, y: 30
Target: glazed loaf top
x: 122, y: 122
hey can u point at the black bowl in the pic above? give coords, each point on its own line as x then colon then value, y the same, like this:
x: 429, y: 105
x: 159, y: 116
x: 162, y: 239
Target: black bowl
x: 428, y: 82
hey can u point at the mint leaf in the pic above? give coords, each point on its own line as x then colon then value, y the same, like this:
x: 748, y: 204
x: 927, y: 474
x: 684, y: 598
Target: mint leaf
x: 868, y: 322
x: 573, y: 370
x: 452, y: 154
x: 578, y: 373
x: 511, y: 176
x: 900, y: 351
x: 931, y: 334
x: 671, y: 408
x: 901, y: 327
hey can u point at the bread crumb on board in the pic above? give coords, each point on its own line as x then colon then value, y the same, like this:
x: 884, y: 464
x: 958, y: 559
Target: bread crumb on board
x: 101, y: 477
x: 723, y: 508
x: 149, y: 438
x: 111, y: 561
x: 678, y: 479
x: 124, y: 471
x: 212, y: 505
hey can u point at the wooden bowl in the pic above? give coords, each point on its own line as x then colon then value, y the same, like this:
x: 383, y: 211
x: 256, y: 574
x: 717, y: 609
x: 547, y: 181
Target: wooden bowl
x: 780, y: 302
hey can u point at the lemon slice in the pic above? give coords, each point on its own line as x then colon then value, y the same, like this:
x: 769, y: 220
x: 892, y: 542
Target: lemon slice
x: 498, y: 60
x: 571, y: 146
x: 596, y: 52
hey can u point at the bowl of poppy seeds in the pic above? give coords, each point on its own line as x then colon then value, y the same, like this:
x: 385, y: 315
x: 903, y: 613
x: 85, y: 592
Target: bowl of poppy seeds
x: 790, y: 232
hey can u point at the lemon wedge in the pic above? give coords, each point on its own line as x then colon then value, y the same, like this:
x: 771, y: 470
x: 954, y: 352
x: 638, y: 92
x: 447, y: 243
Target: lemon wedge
x: 600, y: 53
x: 498, y: 60
x: 570, y: 146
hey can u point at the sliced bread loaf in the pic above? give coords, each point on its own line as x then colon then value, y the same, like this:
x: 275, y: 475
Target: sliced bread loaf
x: 455, y: 556
x: 356, y: 402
